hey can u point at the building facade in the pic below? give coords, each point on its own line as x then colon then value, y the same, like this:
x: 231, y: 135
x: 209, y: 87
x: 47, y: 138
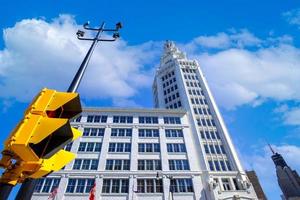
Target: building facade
x: 179, y: 150
x: 288, y: 179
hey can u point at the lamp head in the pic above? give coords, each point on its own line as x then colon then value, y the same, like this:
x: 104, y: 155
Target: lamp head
x: 119, y: 25
x: 80, y: 33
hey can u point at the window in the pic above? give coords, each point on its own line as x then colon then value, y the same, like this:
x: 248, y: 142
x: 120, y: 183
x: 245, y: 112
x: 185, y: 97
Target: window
x: 115, y: 186
x: 119, y: 147
x: 46, y: 185
x: 93, y: 132
x: 117, y: 164
x: 211, y: 165
x: 148, y: 120
x: 123, y: 119
x: 149, y: 147
x: 148, y: 133
x: 121, y: 132
x: 181, y: 185
x: 172, y: 120
x: 79, y: 185
x: 176, y: 147
x: 149, y: 186
x: 149, y: 165
x: 68, y: 146
x: 78, y: 119
x: 85, y: 164
x: 226, y: 184
x: 179, y: 165
x: 174, y: 133
x: 89, y: 147
x: 97, y: 118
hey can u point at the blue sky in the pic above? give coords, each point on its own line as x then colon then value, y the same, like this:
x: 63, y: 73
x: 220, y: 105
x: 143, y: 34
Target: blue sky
x: 248, y: 50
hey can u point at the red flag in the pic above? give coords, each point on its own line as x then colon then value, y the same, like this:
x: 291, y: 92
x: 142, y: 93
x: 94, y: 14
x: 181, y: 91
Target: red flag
x: 53, y: 194
x: 92, y: 192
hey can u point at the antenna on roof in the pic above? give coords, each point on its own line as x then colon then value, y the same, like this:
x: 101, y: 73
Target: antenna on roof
x: 271, y: 149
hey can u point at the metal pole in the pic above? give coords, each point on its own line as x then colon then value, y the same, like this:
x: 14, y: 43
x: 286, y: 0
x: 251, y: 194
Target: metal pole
x: 27, y: 189
x: 5, y: 190
x: 76, y: 80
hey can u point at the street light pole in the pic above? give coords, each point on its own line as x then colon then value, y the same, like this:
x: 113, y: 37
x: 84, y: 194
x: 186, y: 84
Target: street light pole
x: 27, y: 188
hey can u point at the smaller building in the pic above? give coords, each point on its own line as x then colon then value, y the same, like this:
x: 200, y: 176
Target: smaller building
x: 256, y: 185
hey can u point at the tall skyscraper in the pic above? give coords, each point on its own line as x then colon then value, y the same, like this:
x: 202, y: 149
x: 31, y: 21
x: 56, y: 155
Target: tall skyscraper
x: 179, y: 150
x: 288, y: 179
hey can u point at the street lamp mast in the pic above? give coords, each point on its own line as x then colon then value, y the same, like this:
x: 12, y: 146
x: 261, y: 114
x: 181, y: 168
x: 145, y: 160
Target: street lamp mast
x: 27, y: 188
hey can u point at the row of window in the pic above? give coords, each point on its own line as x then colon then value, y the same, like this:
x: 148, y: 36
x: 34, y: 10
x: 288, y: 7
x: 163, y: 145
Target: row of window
x: 172, y: 120
x: 175, y: 105
x: 190, y: 77
x: 46, y: 185
x: 79, y: 185
x: 169, y: 83
x: 149, y: 185
x: 193, y: 84
x: 171, y: 97
x: 148, y: 133
x: 196, y: 92
x: 214, y: 149
x: 215, y: 165
x: 198, y: 101
x: 167, y: 76
x: 149, y: 147
x: 89, y: 147
x: 188, y: 70
x: 117, y: 164
x: 148, y: 120
x: 121, y: 132
x: 97, y: 118
x: 93, y: 132
x: 124, y: 164
x: 119, y: 147
x: 202, y: 111
x: 206, y: 122
x: 176, y: 147
x: 127, y: 132
x: 122, y: 119
x: 210, y: 135
x: 171, y: 89
x: 126, y: 147
x: 85, y: 164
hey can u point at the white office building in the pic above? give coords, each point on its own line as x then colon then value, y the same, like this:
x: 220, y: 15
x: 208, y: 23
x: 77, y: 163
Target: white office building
x: 179, y: 150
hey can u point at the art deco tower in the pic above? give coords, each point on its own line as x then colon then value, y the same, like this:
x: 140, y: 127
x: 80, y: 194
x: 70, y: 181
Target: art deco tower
x: 180, y: 83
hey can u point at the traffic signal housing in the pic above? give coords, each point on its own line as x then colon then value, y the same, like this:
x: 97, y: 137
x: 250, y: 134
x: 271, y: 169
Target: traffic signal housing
x: 36, y: 144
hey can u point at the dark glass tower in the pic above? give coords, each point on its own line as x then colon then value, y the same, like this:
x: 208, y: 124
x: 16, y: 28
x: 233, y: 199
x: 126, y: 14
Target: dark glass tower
x: 288, y: 179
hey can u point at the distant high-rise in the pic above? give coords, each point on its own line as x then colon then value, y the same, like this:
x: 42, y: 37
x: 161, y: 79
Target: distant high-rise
x: 181, y: 150
x: 256, y: 185
x: 288, y: 179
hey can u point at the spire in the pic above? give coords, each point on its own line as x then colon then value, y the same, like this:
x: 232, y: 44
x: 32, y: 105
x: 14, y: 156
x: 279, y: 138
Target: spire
x: 272, y: 150
x: 171, y: 49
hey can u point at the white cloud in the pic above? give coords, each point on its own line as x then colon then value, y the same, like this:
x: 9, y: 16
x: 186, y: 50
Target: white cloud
x: 262, y: 163
x: 40, y: 54
x: 223, y: 40
x: 290, y: 115
x: 293, y: 16
x: 241, y: 76
x: 47, y: 54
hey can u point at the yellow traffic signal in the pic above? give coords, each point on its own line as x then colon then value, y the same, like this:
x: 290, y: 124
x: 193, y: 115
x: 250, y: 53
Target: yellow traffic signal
x: 34, y: 148
x: 45, y: 128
